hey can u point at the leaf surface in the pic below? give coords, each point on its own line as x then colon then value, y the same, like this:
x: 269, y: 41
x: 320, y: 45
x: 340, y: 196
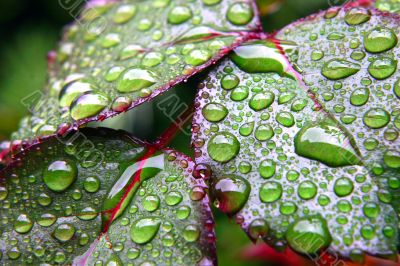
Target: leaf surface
x: 118, y: 55
x: 299, y: 154
x: 99, y: 196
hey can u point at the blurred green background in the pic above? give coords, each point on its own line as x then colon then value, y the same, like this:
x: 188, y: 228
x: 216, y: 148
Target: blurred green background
x: 29, y: 29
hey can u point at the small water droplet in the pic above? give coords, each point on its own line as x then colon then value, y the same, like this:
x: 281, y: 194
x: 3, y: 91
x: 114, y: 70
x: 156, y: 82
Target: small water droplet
x: 23, y: 224
x: 223, y: 147
x: 60, y: 175
x: 214, y: 112
x: 270, y: 192
x: 240, y: 13
x: 144, y: 230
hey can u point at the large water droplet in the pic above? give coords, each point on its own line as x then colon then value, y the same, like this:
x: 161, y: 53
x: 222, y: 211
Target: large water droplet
x: 258, y: 228
x: 307, y: 190
x: 124, y: 13
x: 380, y: 39
x: 392, y: 159
x: 144, y: 230
x: 88, y: 105
x: 343, y: 187
x: 135, y: 79
x: 376, y: 118
x: 197, y: 57
x: 267, y: 168
x: 339, y: 68
x: 264, y: 132
x: 240, y: 13
x: 357, y: 16
x: 259, y: 57
x: 359, y: 96
x: 214, y: 112
x: 382, y: 68
x: 326, y: 143
x: 60, y: 175
x: 223, y: 147
x: 309, y: 235
x: 23, y: 224
x: 73, y: 90
x: 261, y: 101
x: 270, y: 191
x: 179, y: 14
x: 64, y: 232
x: 231, y: 193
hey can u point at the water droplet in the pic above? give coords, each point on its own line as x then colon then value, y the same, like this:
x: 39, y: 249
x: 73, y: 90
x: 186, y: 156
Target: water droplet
x: 173, y: 198
x: 338, y: 69
x: 110, y: 40
x: 133, y: 253
x: 197, y: 57
x: 144, y: 230
x: 343, y: 187
x: 88, y: 213
x: 376, y: 118
x: 113, y: 73
x: 87, y: 105
x: 130, y: 51
x: 396, y: 88
x: 46, y: 219
x: 229, y: 81
x: 357, y: 16
x: 23, y: 224
x: 264, y: 132
x: 60, y: 175
x: 326, y: 143
x: 64, y: 232
x: 382, y: 68
x: 371, y: 210
x: 240, y: 13
x: 152, y: 59
x: 241, y: 93
x: 309, y: 235
x: 191, y: 233
x: 261, y: 101
x: 92, y: 184
x: 214, y: 112
x: 223, y: 147
x: 359, y: 96
x: 72, y: 90
x: 286, y: 119
x: 307, y: 190
x: 183, y: 212
x: 211, y: 2
x: 258, y: 228
x: 380, y: 39
x: 267, y: 168
x: 392, y: 159
x: 3, y: 193
x: 231, y: 193
x: 124, y: 13
x: 259, y: 57
x: 287, y: 208
x: 179, y: 14
x: 270, y: 192
x: 136, y: 79
x: 151, y: 203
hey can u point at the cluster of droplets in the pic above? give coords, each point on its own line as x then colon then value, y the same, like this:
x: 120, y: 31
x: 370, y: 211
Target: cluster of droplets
x: 253, y: 122
x: 119, y: 54
x: 163, y: 224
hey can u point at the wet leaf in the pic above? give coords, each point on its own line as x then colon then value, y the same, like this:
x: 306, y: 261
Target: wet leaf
x: 100, y: 196
x: 119, y: 54
x: 318, y: 142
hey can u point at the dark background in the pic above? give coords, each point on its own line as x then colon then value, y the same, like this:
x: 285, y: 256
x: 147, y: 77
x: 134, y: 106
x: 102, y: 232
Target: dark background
x: 29, y: 29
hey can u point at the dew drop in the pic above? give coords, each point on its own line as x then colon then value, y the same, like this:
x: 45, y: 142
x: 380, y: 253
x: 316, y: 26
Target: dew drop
x: 72, y: 90
x: 60, y: 175
x: 382, y: 68
x: 87, y: 105
x: 261, y: 101
x: 223, y: 147
x: 359, y: 96
x: 309, y: 235
x: 231, y: 193
x: 135, y: 79
x: 357, y: 16
x: 23, y: 224
x: 64, y: 232
x: 124, y: 13
x: 214, y: 112
x: 343, y: 187
x: 144, y: 230
x: 380, y: 39
x: 307, y: 190
x: 376, y: 118
x: 179, y: 14
x: 270, y: 192
x: 339, y: 68
x: 240, y: 13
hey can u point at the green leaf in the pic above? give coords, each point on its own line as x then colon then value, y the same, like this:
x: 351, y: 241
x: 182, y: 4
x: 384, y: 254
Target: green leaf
x: 100, y: 196
x: 121, y: 54
x: 308, y: 157
x: 388, y: 5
